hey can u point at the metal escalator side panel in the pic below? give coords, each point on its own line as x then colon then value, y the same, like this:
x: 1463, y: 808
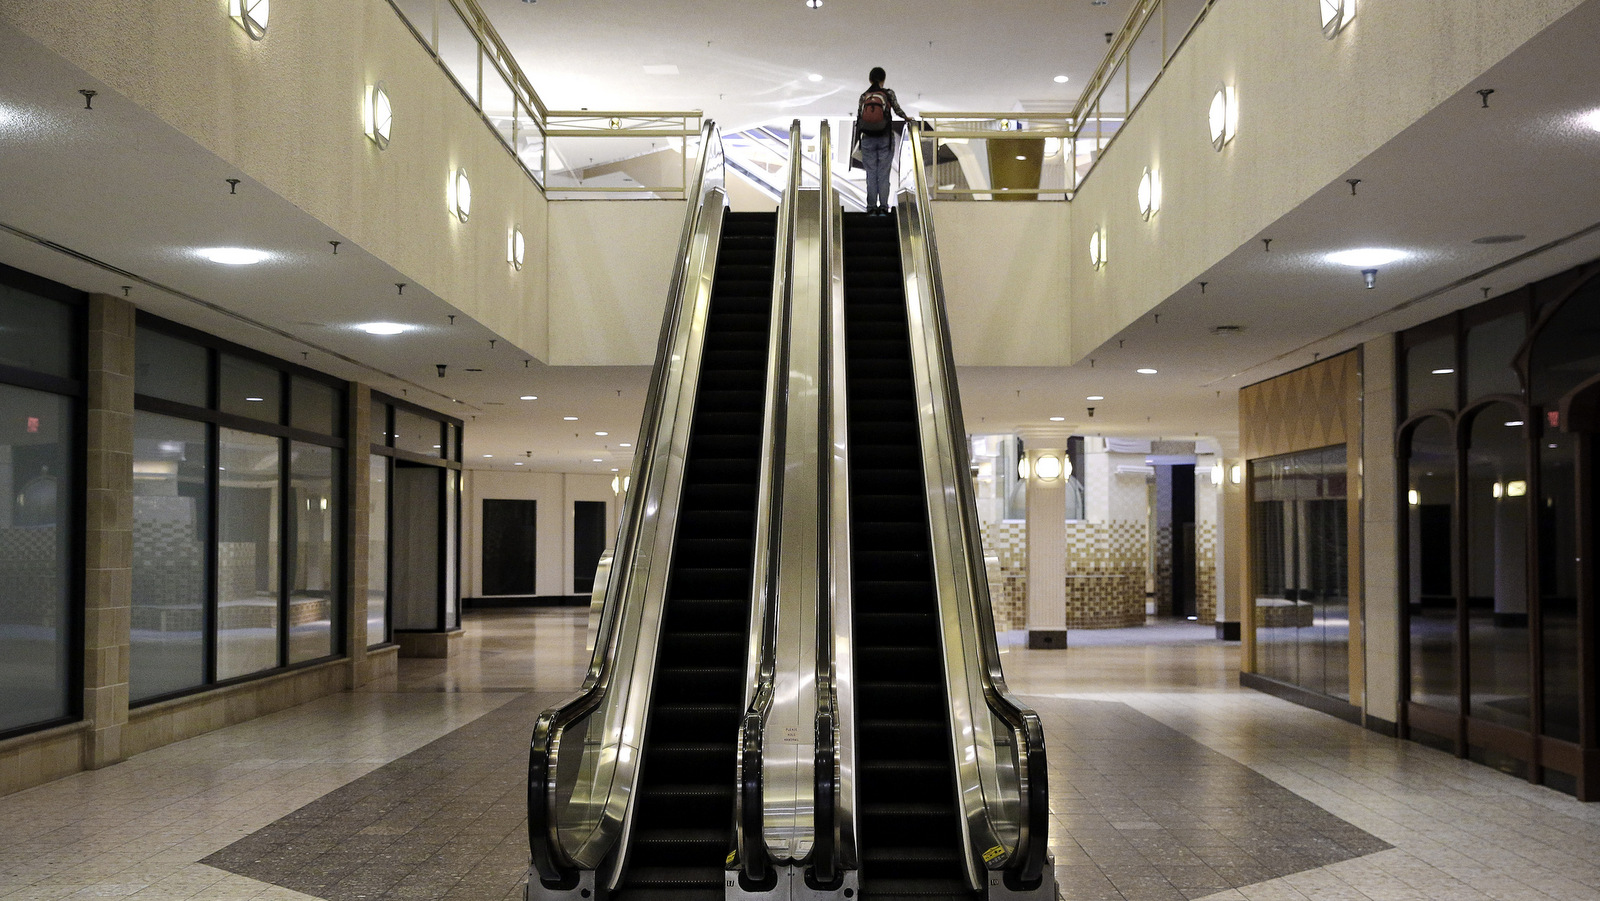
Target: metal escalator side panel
x: 788, y: 800
x: 839, y: 659
x: 1001, y: 742
x: 583, y: 755
x: 639, y: 625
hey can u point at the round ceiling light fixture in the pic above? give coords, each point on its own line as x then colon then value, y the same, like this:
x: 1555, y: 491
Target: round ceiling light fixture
x: 1095, y: 397
x: 1223, y: 116
x: 234, y: 256
x: 251, y: 16
x: 1097, y: 248
x: 1146, y: 371
x: 516, y: 248
x: 813, y: 77
x: 1360, y: 257
x: 384, y: 328
x: 1149, y: 193
x: 460, y: 195
x: 1061, y: 79
x: 379, y: 115
x: 1336, y: 14
x: 814, y: 4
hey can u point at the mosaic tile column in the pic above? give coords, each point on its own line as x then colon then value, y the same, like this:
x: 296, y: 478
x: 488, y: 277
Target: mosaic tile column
x: 108, y: 542
x: 1047, y: 544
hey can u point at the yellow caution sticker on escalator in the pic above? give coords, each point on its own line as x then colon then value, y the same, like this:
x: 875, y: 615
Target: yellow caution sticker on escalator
x: 993, y: 854
x: 732, y: 856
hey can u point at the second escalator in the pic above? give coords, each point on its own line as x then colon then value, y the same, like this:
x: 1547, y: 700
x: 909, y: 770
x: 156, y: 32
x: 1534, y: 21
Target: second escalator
x: 908, y: 820
x: 681, y: 829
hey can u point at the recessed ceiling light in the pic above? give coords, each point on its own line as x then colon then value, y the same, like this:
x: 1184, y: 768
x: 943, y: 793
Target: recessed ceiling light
x: 1021, y: 157
x: 602, y: 434
x: 255, y: 400
x: 1095, y: 397
x: 234, y: 256
x: 596, y: 460
x: 570, y: 418
x: 518, y: 463
x: 1514, y: 423
x: 1145, y: 371
x: 1058, y: 419
x: 384, y: 328
x: 529, y: 397
x: 1366, y: 256
x: 624, y: 445
x: 1590, y: 120
x: 1061, y: 79
x: 614, y: 469
x: 813, y: 77
x: 488, y: 456
x: 814, y: 4
x: 1443, y: 371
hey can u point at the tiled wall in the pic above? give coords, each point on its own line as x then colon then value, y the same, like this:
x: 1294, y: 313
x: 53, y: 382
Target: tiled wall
x: 1205, y: 570
x: 1105, y: 574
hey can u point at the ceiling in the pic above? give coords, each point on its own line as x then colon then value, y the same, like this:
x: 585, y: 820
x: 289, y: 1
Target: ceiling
x: 115, y: 199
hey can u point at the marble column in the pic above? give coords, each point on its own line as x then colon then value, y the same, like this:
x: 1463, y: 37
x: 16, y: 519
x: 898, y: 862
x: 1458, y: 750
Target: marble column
x: 1047, y: 538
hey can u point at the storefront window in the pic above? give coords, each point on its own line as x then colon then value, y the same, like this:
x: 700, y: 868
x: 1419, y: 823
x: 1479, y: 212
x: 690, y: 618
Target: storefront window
x: 1431, y: 375
x: 36, y: 607
x: 1558, y: 583
x: 377, y: 550
x: 1497, y: 568
x: 1300, y: 542
x: 1430, y: 564
x: 249, y: 484
x: 314, y: 501
x: 171, y: 466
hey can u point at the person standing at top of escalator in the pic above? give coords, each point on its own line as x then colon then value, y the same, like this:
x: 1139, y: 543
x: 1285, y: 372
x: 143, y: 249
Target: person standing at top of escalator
x: 875, y: 138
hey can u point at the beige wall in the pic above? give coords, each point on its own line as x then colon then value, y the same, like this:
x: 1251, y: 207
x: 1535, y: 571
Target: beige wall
x: 286, y: 111
x: 1310, y: 109
x: 611, y: 269
x: 555, y: 494
x: 1005, y: 269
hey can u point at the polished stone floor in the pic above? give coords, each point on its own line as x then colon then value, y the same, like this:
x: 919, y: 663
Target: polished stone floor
x: 1168, y: 781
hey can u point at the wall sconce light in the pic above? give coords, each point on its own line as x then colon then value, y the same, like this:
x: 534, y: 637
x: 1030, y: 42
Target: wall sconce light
x: 616, y: 485
x: 1216, y: 473
x: 1517, y: 488
x: 1336, y: 14
x: 1236, y: 474
x: 1223, y: 116
x: 1414, y: 497
x: 516, y: 248
x: 251, y: 16
x: 460, y: 195
x: 1022, y: 469
x: 1149, y: 194
x: 1047, y: 467
x: 1097, y: 248
x: 1498, y: 489
x: 379, y: 115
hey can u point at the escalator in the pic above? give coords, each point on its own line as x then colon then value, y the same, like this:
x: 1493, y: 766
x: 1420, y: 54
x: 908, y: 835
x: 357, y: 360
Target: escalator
x: 909, y: 837
x: 683, y: 814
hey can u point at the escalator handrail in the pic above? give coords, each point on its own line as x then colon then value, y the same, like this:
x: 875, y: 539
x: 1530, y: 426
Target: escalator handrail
x: 1025, y: 863
x: 641, y: 511
x: 750, y: 847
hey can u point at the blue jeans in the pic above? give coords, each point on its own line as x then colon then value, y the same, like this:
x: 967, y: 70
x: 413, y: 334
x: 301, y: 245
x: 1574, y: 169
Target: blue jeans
x: 877, y: 155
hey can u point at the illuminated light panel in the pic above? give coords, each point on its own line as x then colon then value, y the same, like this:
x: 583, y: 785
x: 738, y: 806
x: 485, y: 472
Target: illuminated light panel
x: 235, y: 256
x: 1366, y: 256
x: 385, y: 328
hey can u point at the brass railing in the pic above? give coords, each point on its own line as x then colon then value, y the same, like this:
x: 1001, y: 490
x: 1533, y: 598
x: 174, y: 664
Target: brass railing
x: 556, y: 148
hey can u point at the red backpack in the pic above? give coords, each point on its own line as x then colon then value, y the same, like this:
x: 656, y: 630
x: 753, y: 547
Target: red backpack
x: 874, y: 115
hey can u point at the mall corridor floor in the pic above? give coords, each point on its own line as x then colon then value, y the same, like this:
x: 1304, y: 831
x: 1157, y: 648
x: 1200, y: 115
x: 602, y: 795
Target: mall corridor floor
x: 1168, y: 781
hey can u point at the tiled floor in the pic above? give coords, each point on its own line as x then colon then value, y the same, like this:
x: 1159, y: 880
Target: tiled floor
x: 1168, y: 780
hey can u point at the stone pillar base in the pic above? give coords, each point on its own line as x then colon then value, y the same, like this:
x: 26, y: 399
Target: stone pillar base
x: 428, y: 644
x: 1047, y: 639
x: 1228, y: 631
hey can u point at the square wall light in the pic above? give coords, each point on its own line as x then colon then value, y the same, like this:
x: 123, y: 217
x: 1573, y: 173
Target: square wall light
x: 378, y: 115
x: 251, y: 15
